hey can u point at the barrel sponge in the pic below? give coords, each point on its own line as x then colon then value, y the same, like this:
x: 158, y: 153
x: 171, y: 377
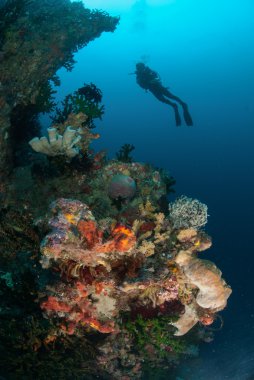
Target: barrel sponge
x: 213, y: 290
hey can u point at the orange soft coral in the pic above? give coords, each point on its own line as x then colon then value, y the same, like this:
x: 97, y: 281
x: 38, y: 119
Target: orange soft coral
x: 54, y: 305
x: 89, y: 231
x: 72, y: 305
x: 124, y: 238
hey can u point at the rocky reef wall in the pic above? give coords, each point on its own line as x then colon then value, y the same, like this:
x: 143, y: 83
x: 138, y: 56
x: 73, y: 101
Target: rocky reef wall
x: 33, y: 46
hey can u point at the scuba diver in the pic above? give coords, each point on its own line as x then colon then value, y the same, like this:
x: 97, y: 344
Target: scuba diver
x: 150, y: 81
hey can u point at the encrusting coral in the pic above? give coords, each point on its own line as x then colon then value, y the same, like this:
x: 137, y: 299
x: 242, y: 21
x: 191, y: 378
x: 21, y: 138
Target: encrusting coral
x: 95, y: 262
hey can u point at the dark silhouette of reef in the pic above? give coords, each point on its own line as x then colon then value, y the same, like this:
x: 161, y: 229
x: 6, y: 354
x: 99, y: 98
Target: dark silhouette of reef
x: 124, y: 153
x: 33, y: 46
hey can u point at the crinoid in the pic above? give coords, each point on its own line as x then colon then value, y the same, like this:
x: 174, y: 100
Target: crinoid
x: 150, y: 294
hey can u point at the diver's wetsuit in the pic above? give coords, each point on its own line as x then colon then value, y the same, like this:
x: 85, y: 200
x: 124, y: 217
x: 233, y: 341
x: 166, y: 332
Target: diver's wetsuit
x: 150, y: 80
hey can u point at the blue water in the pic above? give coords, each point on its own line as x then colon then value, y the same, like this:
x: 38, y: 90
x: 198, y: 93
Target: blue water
x: 204, y: 51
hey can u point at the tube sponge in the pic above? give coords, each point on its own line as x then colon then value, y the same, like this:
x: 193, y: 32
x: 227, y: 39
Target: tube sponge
x: 57, y: 144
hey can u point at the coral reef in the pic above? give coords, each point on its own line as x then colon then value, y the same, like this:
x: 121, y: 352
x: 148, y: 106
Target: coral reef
x: 94, y: 259
x: 121, y: 278
x: 140, y: 278
x: 100, y: 277
x: 115, y: 269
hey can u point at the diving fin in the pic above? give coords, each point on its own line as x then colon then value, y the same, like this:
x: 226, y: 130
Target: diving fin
x: 186, y: 115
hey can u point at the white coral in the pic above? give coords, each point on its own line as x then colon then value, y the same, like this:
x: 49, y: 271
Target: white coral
x: 57, y: 144
x: 187, y: 213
